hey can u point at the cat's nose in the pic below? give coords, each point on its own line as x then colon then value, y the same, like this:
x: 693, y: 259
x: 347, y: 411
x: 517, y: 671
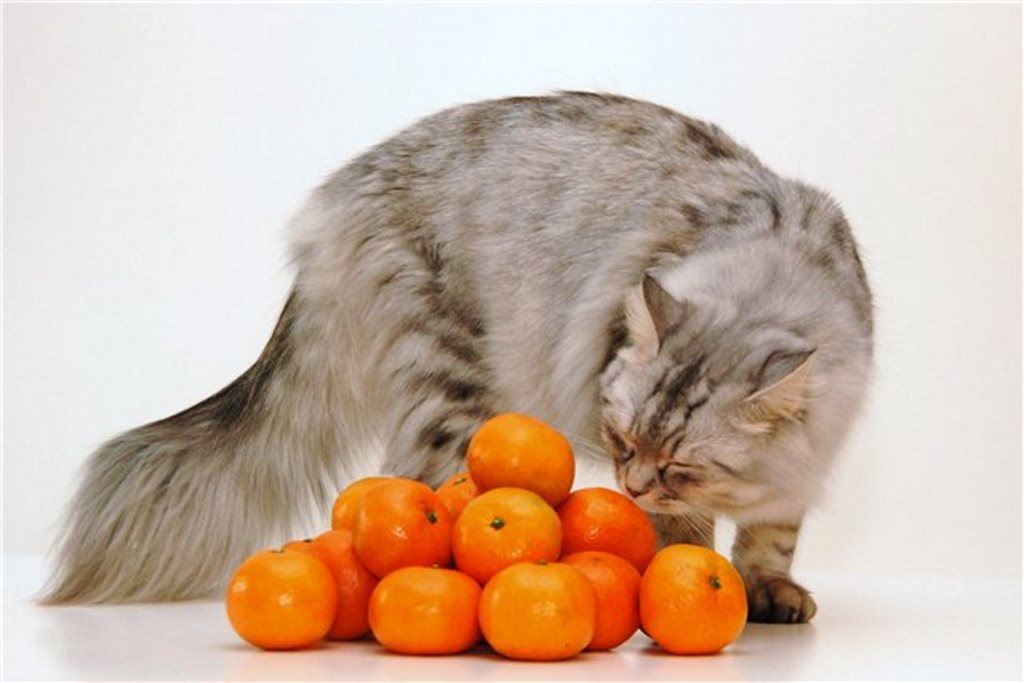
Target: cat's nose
x: 637, y: 492
x: 635, y: 489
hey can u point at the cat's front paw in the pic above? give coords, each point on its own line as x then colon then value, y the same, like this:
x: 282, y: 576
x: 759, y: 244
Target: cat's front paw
x: 778, y: 600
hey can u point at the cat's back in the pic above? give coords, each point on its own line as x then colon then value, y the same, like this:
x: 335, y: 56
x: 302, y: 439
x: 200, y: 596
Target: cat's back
x: 553, y: 189
x: 571, y: 141
x: 577, y: 174
x: 582, y: 123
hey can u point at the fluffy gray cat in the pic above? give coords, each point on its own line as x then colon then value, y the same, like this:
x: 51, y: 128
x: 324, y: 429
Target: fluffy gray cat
x: 626, y: 273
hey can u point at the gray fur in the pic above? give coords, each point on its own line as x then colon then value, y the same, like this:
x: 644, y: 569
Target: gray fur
x: 491, y: 258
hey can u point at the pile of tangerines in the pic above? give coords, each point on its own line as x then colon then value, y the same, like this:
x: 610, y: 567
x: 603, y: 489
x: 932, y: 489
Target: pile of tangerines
x: 539, y: 572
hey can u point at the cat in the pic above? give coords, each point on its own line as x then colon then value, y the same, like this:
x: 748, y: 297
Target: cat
x: 631, y: 275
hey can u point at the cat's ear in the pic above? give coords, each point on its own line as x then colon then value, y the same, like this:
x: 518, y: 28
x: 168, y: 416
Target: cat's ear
x: 782, y: 384
x: 664, y: 310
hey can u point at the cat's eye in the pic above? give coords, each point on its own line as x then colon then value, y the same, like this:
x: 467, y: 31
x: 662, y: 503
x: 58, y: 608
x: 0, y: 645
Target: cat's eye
x: 675, y: 474
x: 623, y: 451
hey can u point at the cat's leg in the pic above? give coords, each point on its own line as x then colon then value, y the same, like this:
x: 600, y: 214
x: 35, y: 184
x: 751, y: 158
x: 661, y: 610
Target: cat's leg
x: 440, y: 393
x: 696, y: 529
x: 763, y: 554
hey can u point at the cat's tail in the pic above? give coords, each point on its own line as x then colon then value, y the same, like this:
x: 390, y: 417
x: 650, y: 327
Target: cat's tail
x: 167, y: 511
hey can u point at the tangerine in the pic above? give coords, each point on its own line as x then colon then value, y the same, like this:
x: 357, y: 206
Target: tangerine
x: 502, y: 527
x: 538, y: 611
x: 616, y: 585
x: 282, y: 599
x: 512, y: 449
x: 343, y: 514
x: 355, y: 584
x: 425, y: 611
x: 603, y: 519
x: 402, y: 524
x: 458, y: 490
x: 692, y: 600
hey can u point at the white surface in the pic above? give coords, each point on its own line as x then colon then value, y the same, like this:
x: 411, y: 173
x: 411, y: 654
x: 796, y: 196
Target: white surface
x: 881, y: 627
x: 152, y: 154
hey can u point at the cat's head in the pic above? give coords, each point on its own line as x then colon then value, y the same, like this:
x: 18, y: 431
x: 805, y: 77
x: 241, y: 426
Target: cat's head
x: 706, y: 408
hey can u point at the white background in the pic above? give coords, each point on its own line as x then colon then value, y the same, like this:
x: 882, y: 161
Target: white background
x: 152, y: 155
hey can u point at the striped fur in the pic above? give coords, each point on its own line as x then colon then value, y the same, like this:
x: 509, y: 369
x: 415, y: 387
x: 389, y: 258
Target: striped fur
x: 491, y: 257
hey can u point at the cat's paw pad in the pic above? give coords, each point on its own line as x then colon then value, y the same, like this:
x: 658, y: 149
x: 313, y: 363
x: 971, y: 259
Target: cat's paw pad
x: 777, y: 600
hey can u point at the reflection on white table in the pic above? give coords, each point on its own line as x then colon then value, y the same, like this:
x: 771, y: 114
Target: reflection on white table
x: 888, y: 627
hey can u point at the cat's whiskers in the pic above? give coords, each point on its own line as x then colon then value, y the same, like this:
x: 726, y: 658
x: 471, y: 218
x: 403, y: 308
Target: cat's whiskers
x: 698, y: 525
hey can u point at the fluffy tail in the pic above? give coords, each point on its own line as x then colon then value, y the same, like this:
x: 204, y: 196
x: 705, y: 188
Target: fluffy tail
x: 166, y: 511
